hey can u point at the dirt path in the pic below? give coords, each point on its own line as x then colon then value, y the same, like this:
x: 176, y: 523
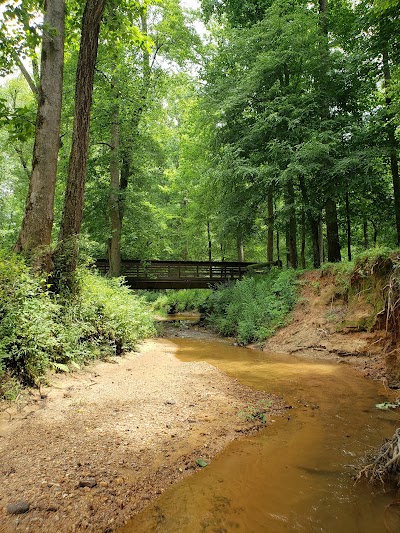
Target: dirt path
x: 97, y: 445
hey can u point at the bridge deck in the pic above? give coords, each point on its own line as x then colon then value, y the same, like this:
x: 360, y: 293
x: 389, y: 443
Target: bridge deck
x: 177, y: 274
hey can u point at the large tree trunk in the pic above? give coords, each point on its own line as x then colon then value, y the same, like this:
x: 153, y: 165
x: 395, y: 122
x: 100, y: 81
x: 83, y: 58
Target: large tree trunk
x: 35, y: 234
x: 270, y: 222
x: 324, y: 82
x: 125, y: 147
x: 71, y: 222
x: 291, y: 227
x: 332, y: 231
x: 392, y: 142
x: 114, y: 248
x: 313, y: 223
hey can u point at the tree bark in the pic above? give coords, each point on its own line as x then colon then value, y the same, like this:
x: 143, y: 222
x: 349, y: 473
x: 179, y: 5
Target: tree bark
x: 332, y: 232
x: 321, y: 242
x: 365, y: 232
x: 270, y: 222
x: 375, y: 237
x: 392, y: 143
x: 29, y: 79
x: 291, y: 227
x: 37, y: 225
x: 114, y: 247
x: 313, y: 223
x: 278, y: 244
x: 348, y: 222
x: 303, y: 240
x: 71, y: 222
x: 120, y: 179
x: 209, y: 241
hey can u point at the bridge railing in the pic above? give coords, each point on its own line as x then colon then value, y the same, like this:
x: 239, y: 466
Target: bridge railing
x: 178, y: 269
x: 178, y: 274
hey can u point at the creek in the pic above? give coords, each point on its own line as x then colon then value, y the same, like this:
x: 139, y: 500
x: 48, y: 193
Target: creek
x: 295, y: 475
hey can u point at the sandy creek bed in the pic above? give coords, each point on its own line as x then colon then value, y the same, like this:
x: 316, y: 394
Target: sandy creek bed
x: 99, y: 444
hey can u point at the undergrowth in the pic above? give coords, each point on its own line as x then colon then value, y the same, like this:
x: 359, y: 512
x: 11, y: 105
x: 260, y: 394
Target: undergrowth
x: 254, y: 308
x: 250, y: 309
x: 40, y: 330
x: 177, y: 301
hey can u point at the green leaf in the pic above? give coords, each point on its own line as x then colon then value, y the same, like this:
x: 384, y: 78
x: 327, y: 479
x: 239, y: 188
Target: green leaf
x: 61, y: 367
x: 387, y: 405
x: 201, y: 463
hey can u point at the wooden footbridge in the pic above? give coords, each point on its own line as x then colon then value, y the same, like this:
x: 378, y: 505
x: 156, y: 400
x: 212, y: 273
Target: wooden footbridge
x: 178, y: 274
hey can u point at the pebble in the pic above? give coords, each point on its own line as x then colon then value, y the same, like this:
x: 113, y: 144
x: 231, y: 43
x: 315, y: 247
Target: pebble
x: 170, y: 402
x: 18, y: 508
x: 88, y: 482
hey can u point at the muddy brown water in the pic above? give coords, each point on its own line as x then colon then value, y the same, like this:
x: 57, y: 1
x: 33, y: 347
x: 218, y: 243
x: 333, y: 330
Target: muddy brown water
x: 296, y: 475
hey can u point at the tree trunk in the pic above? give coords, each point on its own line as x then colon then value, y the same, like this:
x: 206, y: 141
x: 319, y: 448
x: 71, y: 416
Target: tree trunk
x: 303, y: 240
x: 114, y: 246
x: 313, y: 223
x: 28, y: 78
x: 270, y: 222
x: 348, y: 227
x: 365, y: 232
x: 35, y: 234
x: 291, y: 227
x: 119, y: 180
x: 209, y: 241
x: 278, y: 244
x: 392, y: 142
x: 321, y: 242
x: 332, y: 232
x: 71, y: 221
x: 240, y: 249
x: 375, y: 233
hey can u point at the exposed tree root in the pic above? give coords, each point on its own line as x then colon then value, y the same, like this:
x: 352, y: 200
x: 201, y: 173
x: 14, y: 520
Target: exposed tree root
x: 386, y: 465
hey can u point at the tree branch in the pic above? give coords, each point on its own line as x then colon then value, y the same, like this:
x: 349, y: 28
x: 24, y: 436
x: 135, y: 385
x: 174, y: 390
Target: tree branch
x: 103, y: 144
x: 25, y: 73
x: 23, y: 161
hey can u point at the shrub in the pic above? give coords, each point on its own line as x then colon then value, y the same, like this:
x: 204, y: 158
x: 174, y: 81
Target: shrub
x: 178, y: 301
x: 253, y: 308
x: 27, y: 327
x: 107, y: 311
x: 39, y: 330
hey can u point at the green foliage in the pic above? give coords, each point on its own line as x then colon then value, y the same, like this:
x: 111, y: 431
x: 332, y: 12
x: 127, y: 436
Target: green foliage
x: 39, y: 331
x: 183, y: 300
x: 253, y: 308
x: 105, y: 313
x: 27, y: 327
x: 369, y: 259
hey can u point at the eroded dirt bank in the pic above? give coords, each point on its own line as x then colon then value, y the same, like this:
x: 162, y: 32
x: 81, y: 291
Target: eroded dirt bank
x: 94, y: 447
x: 325, y: 325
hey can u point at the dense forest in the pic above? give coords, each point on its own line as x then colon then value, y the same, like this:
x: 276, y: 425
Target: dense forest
x: 258, y: 130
